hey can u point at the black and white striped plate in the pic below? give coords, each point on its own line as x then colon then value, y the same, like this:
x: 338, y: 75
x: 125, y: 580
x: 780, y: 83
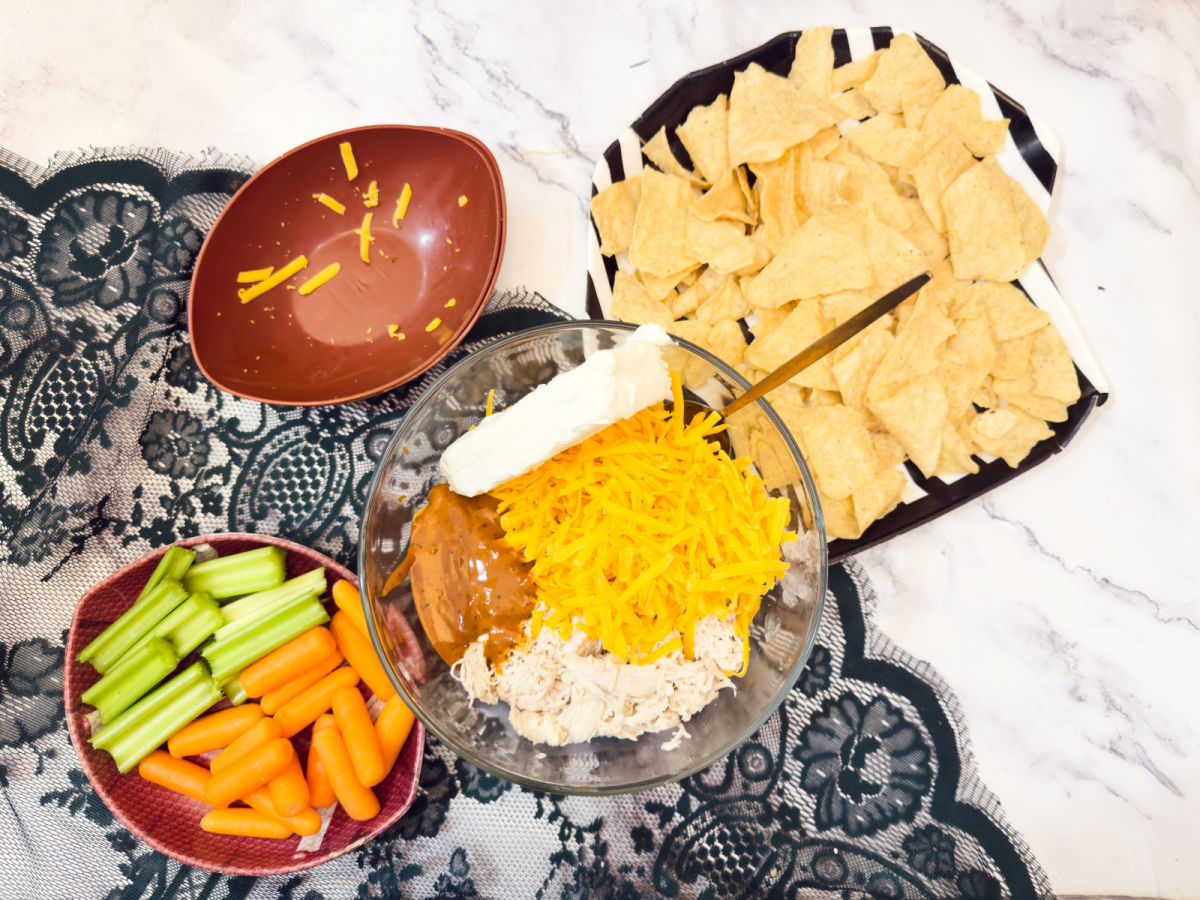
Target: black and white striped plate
x: 1030, y: 156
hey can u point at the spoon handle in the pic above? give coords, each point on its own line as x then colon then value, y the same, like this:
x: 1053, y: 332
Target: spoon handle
x: 823, y: 345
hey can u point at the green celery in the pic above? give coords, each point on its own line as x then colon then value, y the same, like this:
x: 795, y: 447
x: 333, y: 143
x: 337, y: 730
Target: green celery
x: 136, y: 622
x: 259, y: 604
x: 228, y: 656
x: 174, y: 564
x: 233, y: 690
x: 187, y: 627
x: 135, y: 733
x: 128, y: 680
x: 238, y: 574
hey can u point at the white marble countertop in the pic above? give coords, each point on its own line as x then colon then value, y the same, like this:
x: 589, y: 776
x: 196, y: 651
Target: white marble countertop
x: 1060, y: 608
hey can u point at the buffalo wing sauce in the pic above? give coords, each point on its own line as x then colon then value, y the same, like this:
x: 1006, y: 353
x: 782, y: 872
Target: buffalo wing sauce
x: 467, y: 580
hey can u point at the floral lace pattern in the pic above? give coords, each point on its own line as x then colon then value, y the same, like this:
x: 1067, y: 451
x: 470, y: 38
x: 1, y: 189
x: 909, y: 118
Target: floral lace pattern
x: 113, y: 443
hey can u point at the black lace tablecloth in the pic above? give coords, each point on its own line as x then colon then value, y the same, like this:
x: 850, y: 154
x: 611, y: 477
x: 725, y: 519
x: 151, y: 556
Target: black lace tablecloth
x: 113, y: 443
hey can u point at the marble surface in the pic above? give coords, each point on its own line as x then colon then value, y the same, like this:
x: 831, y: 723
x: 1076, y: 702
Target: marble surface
x: 1062, y: 607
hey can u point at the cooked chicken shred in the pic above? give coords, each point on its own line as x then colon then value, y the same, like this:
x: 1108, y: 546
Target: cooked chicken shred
x: 560, y: 692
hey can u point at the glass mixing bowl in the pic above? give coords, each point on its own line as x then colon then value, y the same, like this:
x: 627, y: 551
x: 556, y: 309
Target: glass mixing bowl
x: 781, y: 635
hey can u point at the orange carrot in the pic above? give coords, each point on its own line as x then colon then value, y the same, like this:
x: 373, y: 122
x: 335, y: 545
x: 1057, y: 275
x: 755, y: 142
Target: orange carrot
x: 320, y: 791
x: 253, y: 769
x: 176, y: 775
x: 303, y: 709
x: 284, y: 663
x: 273, y: 700
x: 214, y: 731
x: 354, y: 722
x: 243, y: 823
x: 359, y: 802
x: 267, y: 729
x: 307, y: 822
x: 360, y: 653
x: 289, y: 789
x: 392, y: 727
x: 349, y: 601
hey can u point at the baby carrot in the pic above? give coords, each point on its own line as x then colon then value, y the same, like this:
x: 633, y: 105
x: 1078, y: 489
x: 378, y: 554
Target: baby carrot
x: 253, y: 769
x: 320, y: 791
x: 392, y: 727
x: 272, y: 700
x: 176, y: 775
x: 359, y: 802
x: 284, y: 663
x: 264, y: 730
x: 289, y: 789
x: 360, y: 653
x: 243, y: 823
x: 307, y: 822
x: 349, y: 601
x: 302, y: 710
x: 214, y: 731
x: 354, y: 722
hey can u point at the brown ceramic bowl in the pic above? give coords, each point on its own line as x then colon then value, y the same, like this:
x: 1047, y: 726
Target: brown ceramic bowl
x: 170, y: 822
x: 439, y: 262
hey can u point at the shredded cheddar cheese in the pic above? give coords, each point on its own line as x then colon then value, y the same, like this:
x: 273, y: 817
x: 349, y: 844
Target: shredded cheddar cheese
x: 320, y: 278
x: 326, y: 200
x: 348, y: 160
x: 640, y: 531
x: 275, y: 279
x: 252, y: 275
x: 433, y: 324
x: 402, y: 204
x: 450, y: 302
x: 395, y: 332
x: 371, y: 197
x: 365, y: 238
x: 462, y: 200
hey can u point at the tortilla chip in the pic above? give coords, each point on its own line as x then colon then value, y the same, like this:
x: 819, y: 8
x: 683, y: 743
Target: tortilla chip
x: 658, y: 151
x: 762, y: 255
x: 1052, y: 367
x: 878, y: 497
x: 723, y: 245
x: 1035, y: 230
x: 956, y: 455
x: 827, y: 254
x: 881, y: 141
x: 727, y: 302
x: 614, y: 210
x: 894, y: 259
x: 705, y: 286
x: 888, y: 450
x: 937, y: 170
x: 914, y: 353
x: 1012, y: 357
x: 838, y: 447
x: 933, y: 245
x: 957, y: 111
x: 1010, y: 313
x: 904, y: 69
x: 983, y: 224
x: 840, y: 521
x: 775, y: 184
x: 915, y: 107
x: 852, y: 104
x: 854, y: 73
x: 774, y: 346
x: 663, y: 287
x: 867, y: 185
x: 769, y: 113
x: 632, y: 303
x: 726, y: 341
x: 965, y: 361
x: 812, y: 62
x: 853, y: 371
x: 724, y: 200
x: 915, y: 415
x: 819, y: 183
x: 1008, y: 433
x: 705, y: 136
x: 1019, y: 392
x: 660, y: 230
x: 822, y: 143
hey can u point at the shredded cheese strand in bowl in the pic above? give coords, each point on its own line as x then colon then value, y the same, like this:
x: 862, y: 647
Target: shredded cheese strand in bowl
x: 639, y: 532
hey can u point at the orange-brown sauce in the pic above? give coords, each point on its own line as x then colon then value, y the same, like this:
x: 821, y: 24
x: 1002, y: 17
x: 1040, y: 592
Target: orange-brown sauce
x: 467, y: 580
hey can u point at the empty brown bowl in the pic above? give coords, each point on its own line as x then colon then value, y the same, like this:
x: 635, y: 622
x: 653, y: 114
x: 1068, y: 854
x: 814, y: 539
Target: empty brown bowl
x: 373, y: 325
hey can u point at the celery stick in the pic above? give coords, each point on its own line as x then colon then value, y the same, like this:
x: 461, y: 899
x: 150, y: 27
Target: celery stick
x: 148, y: 723
x: 136, y: 622
x: 181, y: 627
x: 230, y: 631
x: 241, y: 573
x: 264, y: 601
x: 225, y: 657
x: 129, y: 679
x: 233, y: 690
x: 174, y: 563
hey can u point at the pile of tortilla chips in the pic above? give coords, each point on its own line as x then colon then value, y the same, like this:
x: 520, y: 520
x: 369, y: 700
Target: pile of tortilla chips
x: 814, y: 194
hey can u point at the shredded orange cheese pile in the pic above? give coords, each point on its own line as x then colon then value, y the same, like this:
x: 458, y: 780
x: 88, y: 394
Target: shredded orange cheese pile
x: 642, y: 530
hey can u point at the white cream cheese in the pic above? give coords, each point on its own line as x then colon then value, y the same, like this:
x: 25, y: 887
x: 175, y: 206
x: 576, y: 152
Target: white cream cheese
x: 609, y: 386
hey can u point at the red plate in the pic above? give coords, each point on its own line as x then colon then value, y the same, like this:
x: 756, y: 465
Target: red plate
x: 430, y: 274
x: 170, y: 822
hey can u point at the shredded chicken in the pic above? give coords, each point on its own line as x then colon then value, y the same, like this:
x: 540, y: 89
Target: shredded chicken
x: 560, y: 692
